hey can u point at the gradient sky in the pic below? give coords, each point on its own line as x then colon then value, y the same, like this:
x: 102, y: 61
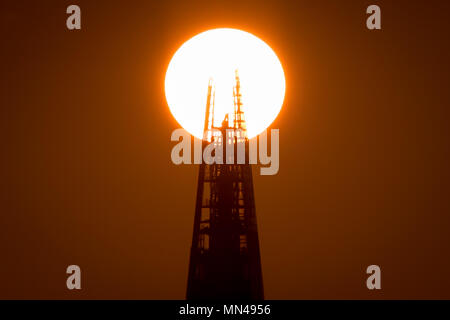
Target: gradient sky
x: 364, y: 149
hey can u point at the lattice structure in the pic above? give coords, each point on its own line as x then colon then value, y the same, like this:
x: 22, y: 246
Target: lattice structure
x: 225, y: 257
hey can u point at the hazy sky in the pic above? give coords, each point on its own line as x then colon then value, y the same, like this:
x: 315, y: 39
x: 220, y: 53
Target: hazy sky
x: 364, y: 149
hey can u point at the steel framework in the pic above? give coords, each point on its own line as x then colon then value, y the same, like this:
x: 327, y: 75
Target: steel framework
x: 225, y: 256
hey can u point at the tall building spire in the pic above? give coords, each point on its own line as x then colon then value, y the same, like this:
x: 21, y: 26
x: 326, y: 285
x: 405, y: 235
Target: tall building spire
x: 225, y: 257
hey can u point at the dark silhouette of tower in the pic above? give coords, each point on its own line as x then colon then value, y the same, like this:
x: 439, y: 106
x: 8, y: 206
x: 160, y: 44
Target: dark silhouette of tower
x: 225, y: 258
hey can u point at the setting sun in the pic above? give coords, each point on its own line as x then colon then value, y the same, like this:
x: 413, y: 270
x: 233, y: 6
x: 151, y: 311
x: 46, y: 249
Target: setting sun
x: 216, y: 54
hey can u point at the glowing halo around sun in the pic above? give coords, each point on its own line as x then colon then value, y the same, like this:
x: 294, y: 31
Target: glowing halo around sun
x: 216, y: 54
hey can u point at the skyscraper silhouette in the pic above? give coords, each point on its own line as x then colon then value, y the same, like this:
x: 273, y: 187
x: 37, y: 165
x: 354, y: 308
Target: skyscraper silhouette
x: 225, y: 257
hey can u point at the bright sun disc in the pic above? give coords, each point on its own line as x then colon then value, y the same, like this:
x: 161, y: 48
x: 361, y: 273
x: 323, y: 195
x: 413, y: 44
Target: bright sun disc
x: 216, y: 54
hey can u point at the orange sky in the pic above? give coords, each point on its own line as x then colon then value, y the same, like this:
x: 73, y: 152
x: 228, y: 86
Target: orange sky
x: 86, y: 171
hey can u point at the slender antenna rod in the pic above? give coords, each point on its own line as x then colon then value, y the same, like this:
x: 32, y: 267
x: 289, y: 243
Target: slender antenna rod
x: 208, y: 106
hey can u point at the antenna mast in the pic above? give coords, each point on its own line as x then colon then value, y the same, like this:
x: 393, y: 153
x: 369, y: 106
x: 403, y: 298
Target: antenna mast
x: 239, y: 120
